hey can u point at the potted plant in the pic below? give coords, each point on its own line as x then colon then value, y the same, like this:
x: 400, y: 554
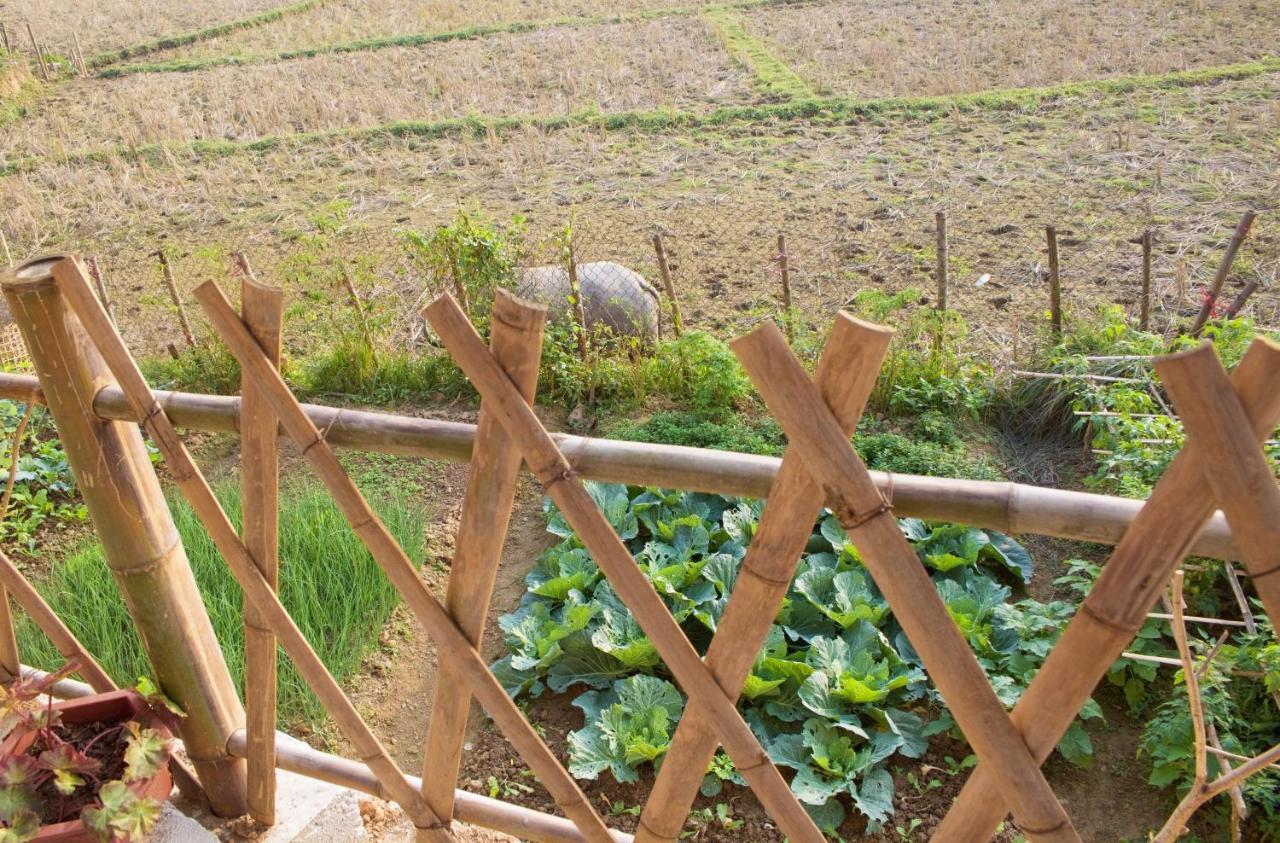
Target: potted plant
x: 91, y: 769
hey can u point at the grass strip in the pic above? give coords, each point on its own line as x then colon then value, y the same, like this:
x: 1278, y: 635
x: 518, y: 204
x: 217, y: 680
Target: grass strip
x: 771, y: 75
x: 814, y: 110
x: 334, y: 590
x: 424, y: 38
x: 184, y: 39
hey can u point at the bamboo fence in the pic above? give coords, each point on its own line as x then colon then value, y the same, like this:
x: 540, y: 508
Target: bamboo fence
x: 1225, y: 417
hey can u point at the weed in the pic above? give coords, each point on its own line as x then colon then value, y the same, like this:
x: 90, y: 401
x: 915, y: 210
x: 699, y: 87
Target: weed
x: 733, y: 433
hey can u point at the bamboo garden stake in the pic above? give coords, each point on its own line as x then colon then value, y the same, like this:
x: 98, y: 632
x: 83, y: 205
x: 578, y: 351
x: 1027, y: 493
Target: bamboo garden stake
x: 1220, y: 277
x: 668, y: 285
x: 96, y: 273
x: 516, y: 340
x: 943, y: 248
x: 35, y: 45
x: 1144, y: 314
x: 10, y: 657
x: 846, y: 375
x: 869, y: 523
x: 784, y: 273
x: 167, y: 272
x: 1055, y: 283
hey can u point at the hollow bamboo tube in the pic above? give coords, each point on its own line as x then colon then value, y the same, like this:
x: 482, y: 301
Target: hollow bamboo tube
x: 143, y: 551
x: 846, y: 375
x: 166, y: 272
x: 525, y: 823
x: 1232, y: 464
x: 516, y: 340
x: 995, y: 505
x: 191, y: 482
x: 668, y: 285
x: 1055, y: 282
x: 868, y: 520
x: 559, y: 478
x: 1130, y: 582
x: 52, y: 626
x: 1224, y: 269
x: 400, y: 570
x: 263, y: 309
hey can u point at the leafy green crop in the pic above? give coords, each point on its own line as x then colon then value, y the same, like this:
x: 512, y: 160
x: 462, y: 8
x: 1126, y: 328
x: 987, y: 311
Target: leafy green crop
x: 43, y: 487
x: 836, y: 690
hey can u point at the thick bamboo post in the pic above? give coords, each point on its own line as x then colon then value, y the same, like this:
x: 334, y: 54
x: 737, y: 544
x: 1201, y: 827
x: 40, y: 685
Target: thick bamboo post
x: 784, y: 274
x: 263, y: 310
x: 943, y: 247
x: 1220, y: 277
x: 668, y: 285
x: 516, y: 340
x: 166, y: 272
x: 141, y: 544
x: 846, y: 374
x: 400, y: 570
x: 558, y: 476
x: 868, y: 520
x: 1144, y: 314
x: 1115, y: 609
x: 1055, y: 283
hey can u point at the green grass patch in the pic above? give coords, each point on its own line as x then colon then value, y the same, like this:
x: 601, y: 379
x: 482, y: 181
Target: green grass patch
x: 331, y: 586
x: 771, y: 75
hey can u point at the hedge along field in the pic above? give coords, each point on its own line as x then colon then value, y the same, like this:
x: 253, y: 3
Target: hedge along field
x: 856, y: 202
x: 111, y: 24
x: 619, y: 67
x: 875, y: 48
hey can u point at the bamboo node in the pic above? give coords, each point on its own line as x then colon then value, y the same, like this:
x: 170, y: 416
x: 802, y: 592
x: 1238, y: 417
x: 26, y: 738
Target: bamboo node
x: 154, y: 563
x: 1266, y: 573
x: 851, y: 520
x: 752, y: 570
x: 1041, y: 832
x: 1114, y: 626
x: 654, y: 833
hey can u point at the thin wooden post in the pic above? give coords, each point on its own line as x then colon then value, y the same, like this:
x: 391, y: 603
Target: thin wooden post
x: 263, y: 310
x: 84, y: 71
x: 516, y: 340
x: 784, y: 272
x: 143, y: 550
x: 1220, y: 277
x: 1055, y: 283
x: 668, y: 285
x: 10, y: 657
x: 4, y: 244
x: 4, y: 36
x: 1242, y: 299
x: 96, y: 274
x: 35, y: 45
x: 943, y: 248
x: 172, y: 287
x: 575, y: 290
x: 1144, y: 314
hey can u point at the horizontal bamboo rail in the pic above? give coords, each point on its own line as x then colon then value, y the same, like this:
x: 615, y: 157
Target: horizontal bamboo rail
x: 997, y: 505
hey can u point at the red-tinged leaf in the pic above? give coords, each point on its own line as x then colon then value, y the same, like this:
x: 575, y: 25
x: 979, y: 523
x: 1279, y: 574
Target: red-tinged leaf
x: 69, y: 767
x: 22, y: 827
x: 145, y: 753
x: 136, y: 819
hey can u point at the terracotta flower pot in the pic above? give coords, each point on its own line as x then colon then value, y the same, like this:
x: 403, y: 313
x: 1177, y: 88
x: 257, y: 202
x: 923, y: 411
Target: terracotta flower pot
x: 116, y: 706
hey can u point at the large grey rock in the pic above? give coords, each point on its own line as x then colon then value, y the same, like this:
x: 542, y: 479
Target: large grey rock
x: 613, y: 296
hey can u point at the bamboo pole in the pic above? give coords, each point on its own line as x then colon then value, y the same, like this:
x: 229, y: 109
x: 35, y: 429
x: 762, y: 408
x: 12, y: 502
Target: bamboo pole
x: 167, y: 272
x: 143, y: 551
x: 1144, y: 314
x: 846, y: 375
x: 1242, y: 299
x: 1130, y: 582
x: 943, y: 271
x: 869, y: 523
x: 575, y: 290
x: 668, y: 285
x: 784, y: 273
x: 1220, y: 277
x: 10, y: 656
x: 1055, y: 283
x: 524, y: 823
x: 35, y: 45
x: 400, y: 570
x: 100, y: 283
x: 263, y: 311
x: 4, y: 37
x: 4, y: 245
x: 996, y: 505
x: 1231, y: 463
x: 516, y: 341
x: 52, y: 626
x: 84, y: 71
x: 191, y: 482
x: 560, y: 479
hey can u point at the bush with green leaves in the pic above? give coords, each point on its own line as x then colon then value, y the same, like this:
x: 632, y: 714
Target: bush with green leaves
x: 836, y: 691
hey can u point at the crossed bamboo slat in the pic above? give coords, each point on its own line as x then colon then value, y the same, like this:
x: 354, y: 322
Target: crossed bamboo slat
x: 869, y: 523
x: 846, y: 375
x: 562, y: 484
x: 1157, y: 540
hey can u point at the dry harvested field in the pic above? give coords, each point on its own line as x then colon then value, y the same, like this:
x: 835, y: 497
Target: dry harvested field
x: 644, y: 65
x: 910, y: 48
x: 111, y: 24
x: 856, y: 202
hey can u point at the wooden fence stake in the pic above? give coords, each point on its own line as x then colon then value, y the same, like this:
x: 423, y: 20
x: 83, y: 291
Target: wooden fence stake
x: 1242, y: 299
x: 516, y: 341
x: 784, y: 272
x: 1144, y: 314
x: 943, y: 248
x: 84, y: 71
x: 263, y: 310
x: 1055, y: 283
x: 8, y: 256
x: 575, y: 290
x: 96, y: 274
x: 668, y: 285
x: 169, y: 284
x: 4, y: 36
x: 143, y: 551
x: 10, y: 658
x: 35, y: 45
x: 1220, y: 277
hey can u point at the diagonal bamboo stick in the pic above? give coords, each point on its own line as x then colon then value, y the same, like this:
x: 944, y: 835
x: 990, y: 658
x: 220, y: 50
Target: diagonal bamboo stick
x: 846, y: 375
x: 868, y: 520
x: 263, y: 309
x: 1164, y: 530
x: 1231, y: 463
x: 74, y: 285
x: 516, y: 341
x: 555, y: 473
x: 399, y: 568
